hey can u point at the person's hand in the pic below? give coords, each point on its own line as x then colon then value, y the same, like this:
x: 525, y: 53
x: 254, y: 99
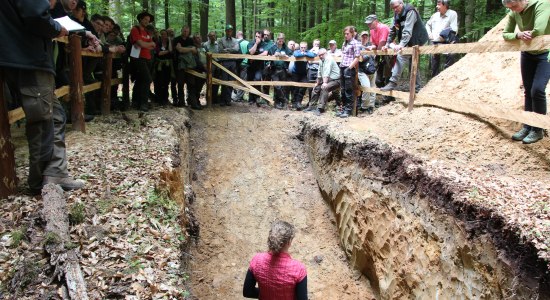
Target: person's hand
x: 258, y: 40
x: 384, y: 48
x: 525, y: 35
x: 120, y: 49
x: 63, y: 32
x: 324, y: 86
x: 397, y: 48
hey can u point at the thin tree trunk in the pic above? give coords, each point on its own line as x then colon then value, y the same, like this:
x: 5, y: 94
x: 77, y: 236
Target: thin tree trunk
x: 311, y: 14
x: 145, y: 4
x: 243, y: 17
x: 469, y: 17
x: 387, y: 9
x: 203, y: 11
x: 166, y: 19
x: 230, y: 17
x: 189, y: 13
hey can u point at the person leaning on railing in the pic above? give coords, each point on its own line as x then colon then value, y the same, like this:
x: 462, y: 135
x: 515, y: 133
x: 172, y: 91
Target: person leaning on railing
x: 28, y: 66
x: 532, y: 19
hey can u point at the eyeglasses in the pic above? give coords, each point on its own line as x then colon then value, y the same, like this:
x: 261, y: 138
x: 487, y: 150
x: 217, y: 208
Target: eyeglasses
x: 395, y: 7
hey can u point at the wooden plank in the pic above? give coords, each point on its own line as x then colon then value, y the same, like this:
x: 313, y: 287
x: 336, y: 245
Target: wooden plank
x: 266, y: 97
x: 91, y: 87
x: 8, y: 177
x: 62, y: 91
x: 16, y: 115
x: 414, y: 71
x: 106, y: 84
x: 76, y: 83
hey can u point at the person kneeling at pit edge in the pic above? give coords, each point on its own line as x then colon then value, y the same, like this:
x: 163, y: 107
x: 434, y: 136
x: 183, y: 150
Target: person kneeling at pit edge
x: 328, y: 80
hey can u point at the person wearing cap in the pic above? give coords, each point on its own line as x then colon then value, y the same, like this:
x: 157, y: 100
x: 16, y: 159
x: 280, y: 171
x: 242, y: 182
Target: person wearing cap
x: 444, y: 20
x: 228, y: 44
x: 379, y: 33
x: 333, y: 49
x: 140, y: 63
x: 279, y: 69
x: 328, y: 80
x: 408, y: 30
x: 366, y: 80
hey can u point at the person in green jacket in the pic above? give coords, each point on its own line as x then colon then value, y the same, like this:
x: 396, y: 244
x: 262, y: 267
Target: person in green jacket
x: 532, y: 18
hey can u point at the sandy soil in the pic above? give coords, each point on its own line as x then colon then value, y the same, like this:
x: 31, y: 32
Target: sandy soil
x: 251, y: 170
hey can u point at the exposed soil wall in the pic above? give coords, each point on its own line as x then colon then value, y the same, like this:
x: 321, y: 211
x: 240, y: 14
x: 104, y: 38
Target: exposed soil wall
x: 405, y: 225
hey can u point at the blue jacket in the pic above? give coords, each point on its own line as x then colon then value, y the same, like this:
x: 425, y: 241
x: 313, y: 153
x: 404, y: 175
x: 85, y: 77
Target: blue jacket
x: 27, y: 30
x: 300, y: 67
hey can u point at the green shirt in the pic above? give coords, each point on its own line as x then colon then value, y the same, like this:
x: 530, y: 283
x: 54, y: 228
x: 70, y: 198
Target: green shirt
x: 328, y: 68
x: 535, y: 17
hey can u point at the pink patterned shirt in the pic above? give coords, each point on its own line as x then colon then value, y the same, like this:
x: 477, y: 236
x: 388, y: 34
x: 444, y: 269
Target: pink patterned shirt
x: 277, y: 275
x: 379, y: 34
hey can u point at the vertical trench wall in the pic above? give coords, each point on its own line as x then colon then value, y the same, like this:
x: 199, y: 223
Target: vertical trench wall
x: 407, y: 233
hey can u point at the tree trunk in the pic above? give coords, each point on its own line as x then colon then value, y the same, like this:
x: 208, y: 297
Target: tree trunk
x: 189, y: 14
x: 230, y: 17
x: 311, y: 13
x: 469, y: 17
x: 387, y: 10
x: 166, y: 19
x: 203, y: 12
x: 145, y: 4
x: 8, y: 176
x: 243, y: 17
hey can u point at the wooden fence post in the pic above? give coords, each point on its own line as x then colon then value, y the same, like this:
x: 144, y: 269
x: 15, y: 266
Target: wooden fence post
x: 209, y: 79
x: 106, y: 84
x: 8, y: 178
x: 76, y: 83
x: 356, y: 91
x: 414, y: 71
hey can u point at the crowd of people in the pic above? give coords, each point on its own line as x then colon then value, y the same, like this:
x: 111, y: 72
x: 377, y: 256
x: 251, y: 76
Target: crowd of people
x: 165, y: 58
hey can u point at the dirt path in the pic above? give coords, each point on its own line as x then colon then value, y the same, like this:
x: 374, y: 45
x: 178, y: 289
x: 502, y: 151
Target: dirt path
x: 251, y: 170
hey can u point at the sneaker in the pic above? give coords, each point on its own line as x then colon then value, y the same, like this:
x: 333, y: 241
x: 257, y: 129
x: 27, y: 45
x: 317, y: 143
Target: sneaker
x: 66, y: 183
x: 520, y: 135
x: 389, y: 87
x: 534, y: 136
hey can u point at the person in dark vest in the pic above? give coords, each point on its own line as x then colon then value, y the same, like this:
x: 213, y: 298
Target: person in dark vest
x: 27, y: 64
x: 407, y: 30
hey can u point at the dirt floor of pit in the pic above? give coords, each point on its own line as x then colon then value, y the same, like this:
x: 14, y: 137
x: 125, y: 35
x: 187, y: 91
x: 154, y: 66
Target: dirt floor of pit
x: 251, y: 170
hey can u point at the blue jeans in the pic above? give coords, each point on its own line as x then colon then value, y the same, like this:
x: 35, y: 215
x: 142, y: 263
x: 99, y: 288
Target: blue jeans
x: 535, y: 72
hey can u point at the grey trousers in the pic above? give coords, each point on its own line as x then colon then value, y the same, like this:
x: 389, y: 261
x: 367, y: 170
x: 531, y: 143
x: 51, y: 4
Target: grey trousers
x: 399, y: 66
x: 45, y: 127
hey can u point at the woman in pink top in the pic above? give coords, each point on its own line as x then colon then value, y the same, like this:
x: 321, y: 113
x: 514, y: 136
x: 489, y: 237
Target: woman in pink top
x: 278, y: 275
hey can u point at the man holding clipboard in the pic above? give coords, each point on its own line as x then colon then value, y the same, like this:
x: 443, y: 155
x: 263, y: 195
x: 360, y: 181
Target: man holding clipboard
x: 27, y: 65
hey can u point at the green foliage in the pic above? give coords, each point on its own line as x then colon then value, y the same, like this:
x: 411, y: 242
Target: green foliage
x: 51, y: 238
x: 17, y: 236
x: 77, y: 213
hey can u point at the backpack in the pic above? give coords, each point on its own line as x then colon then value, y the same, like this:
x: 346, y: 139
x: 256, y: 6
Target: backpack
x: 368, y: 65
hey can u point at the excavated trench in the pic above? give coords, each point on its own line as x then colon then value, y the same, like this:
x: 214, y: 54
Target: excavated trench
x: 407, y: 230
x: 402, y: 225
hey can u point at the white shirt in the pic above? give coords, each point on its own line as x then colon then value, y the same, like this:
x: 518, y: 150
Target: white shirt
x: 438, y: 22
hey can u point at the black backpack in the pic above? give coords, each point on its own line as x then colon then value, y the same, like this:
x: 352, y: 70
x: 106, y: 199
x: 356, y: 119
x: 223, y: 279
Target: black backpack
x: 368, y: 65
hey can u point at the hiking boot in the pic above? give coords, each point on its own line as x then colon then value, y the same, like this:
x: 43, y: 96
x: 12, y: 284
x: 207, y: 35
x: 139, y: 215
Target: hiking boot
x: 309, y: 108
x: 316, y: 112
x: 279, y: 105
x: 534, y: 136
x: 389, y: 87
x: 66, y: 183
x: 345, y: 114
x: 369, y: 110
x: 520, y: 135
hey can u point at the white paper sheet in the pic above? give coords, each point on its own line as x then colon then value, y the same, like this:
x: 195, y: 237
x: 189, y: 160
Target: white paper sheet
x: 69, y: 24
x: 135, y: 51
